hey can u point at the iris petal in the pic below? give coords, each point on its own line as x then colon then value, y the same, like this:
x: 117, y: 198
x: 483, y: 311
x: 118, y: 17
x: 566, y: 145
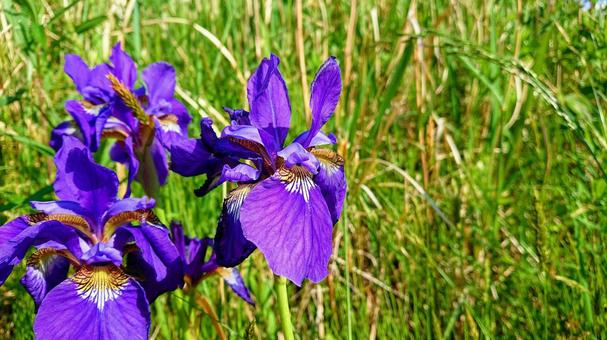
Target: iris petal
x: 154, y: 169
x: 295, y: 154
x: 81, y: 180
x: 124, y: 67
x: 125, y: 211
x: 84, y: 121
x: 320, y: 139
x: 13, y: 228
x: 287, y: 218
x: 269, y: 100
x: 123, y: 151
x: 12, y: 252
x: 98, y: 302
x: 192, y: 252
x: 234, y: 280
x: 231, y: 247
x: 63, y: 129
x: 77, y: 69
x: 67, y: 213
x: 45, y: 270
x: 159, y: 79
x: 331, y: 179
x: 239, y: 173
x: 196, y: 251
x: 60, y: 208
x: 157, y: 259
x: 324, y: 95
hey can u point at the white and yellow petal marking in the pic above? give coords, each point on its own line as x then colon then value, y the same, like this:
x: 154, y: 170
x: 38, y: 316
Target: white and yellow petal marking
x: 235, y: 199
x: 114, y: 128
x: 329, y: 160
x: 91, y: 108
x: 169, y: 122
x: 100, y: 284
x: 227, y: 274
x: 298, y: 180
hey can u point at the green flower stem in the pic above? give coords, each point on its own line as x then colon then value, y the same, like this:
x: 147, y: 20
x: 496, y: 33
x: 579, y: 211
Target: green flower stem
x: 283, y: 305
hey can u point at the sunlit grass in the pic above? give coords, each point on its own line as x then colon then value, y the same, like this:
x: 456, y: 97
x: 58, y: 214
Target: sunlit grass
x: 475, y: 141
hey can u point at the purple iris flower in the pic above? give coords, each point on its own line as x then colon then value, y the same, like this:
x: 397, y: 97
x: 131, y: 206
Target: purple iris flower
x: 143, y: 121
x: 91, y: 231
x: 288, y: 197
x: 193, y: 253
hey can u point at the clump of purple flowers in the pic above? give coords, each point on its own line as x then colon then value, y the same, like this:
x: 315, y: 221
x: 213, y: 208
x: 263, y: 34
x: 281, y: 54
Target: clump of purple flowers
x: 100, y: 258
x: 143, y: 121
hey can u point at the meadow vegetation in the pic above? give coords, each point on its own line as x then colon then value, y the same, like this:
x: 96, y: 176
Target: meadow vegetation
x: 475, y: 140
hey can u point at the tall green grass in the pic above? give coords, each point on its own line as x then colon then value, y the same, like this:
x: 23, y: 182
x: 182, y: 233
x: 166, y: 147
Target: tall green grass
x: 474, y: 134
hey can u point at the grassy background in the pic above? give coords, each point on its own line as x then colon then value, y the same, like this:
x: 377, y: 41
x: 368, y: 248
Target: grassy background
x: 474, y: 135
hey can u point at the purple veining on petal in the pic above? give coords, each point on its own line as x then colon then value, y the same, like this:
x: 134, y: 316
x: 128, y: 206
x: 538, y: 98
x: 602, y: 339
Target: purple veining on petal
x: 106, y: 303
x: 287, y: 218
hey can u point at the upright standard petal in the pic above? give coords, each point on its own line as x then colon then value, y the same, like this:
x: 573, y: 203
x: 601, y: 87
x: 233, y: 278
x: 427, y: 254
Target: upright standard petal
x: 99, y: 89
x: 325, y: 91
x: 269, y: 100
x: 231, y: 247
x: 159, y: 79
x: 196, y: 251
x: 124, y: 67
x: 78, y: 70
x: 80, y: 179
x: 331, y: 179
x: 98, y: 302
x: 179, y: 239
x: 287, y: 218
x: 92, y: 84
